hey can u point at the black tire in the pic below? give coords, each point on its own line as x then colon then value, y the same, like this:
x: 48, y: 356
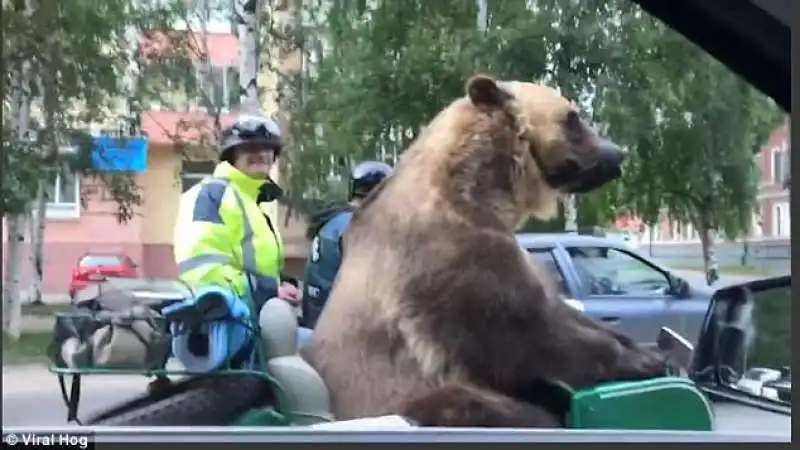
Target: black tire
x: 206, y: 400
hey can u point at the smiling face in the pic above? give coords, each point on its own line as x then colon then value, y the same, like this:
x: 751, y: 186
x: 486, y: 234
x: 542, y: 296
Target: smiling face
x: 255, y: 160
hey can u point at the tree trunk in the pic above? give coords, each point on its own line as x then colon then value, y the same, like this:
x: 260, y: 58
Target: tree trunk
x: 36, y: 226
x: 483, y: 15
x: 571, y: 213
x: 12, y: 301
x: 709, y: 260
x: 745, y: 251
x: 20, y: 117
x: 247, y: 26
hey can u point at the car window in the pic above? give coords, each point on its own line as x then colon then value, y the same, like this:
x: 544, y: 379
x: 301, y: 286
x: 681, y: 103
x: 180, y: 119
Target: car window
x: 100, y: 260
x: 772, y: 323
x: 128, y: 261
x: 546, y: 258
x: 610, y: 271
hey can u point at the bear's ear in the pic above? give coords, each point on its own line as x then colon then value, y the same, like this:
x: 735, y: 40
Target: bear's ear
x: 483, y: 90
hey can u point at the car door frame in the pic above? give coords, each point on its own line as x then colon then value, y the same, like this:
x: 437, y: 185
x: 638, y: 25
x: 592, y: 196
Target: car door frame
x: 564, y: 266
x: 585, y: 292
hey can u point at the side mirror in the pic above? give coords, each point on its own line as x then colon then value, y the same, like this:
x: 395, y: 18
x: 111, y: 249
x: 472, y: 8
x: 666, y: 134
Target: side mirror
x: 679, y: 287
x: 747, y: 330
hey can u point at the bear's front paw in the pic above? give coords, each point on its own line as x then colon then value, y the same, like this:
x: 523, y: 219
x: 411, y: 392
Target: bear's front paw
x: 641, y: 365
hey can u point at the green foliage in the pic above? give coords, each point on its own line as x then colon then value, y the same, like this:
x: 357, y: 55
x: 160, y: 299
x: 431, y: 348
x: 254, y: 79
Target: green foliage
x: 75, y: 58
x: 692, y: 128
x: 385, y: 69
x: 381, y: 70
x: 19, y: 175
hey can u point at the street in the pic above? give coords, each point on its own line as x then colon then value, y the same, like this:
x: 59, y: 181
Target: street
x: 31, y: 396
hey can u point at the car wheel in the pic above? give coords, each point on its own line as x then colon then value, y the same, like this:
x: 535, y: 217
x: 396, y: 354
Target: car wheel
x: 199, y: 401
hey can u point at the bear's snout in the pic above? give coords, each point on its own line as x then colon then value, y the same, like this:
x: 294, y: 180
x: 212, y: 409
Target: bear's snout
x: 606, y: 167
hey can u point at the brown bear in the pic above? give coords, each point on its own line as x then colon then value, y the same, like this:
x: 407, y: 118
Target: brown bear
x: 437, y: 314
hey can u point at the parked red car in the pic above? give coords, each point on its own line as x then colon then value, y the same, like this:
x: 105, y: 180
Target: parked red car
x: 95, y: 267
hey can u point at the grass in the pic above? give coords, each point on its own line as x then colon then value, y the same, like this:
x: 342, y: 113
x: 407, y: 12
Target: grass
x: 30, y: 348
x: 724, y: 270
x: 45, y: 309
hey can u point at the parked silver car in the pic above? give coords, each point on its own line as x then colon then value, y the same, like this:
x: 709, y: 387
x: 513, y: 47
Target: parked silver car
x: 614, y: 283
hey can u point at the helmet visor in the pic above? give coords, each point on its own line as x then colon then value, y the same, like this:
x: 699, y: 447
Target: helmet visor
x: 256, y: 128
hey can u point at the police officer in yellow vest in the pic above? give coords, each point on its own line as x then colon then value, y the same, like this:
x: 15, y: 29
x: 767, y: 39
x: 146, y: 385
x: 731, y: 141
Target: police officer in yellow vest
x: 222, y: 235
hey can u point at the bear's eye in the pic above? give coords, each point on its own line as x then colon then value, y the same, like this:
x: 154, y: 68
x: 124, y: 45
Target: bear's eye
x: 574, y: 128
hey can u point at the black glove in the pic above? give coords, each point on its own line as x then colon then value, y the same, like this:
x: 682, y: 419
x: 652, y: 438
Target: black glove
x: 269, y: 192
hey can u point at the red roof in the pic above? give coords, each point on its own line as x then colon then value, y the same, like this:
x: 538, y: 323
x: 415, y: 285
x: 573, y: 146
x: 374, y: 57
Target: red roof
x: 165, y: 127
x: 223, y: 48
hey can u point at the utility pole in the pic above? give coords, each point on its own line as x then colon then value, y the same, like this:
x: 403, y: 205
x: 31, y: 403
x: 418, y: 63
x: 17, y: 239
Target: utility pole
x: 246, y: 18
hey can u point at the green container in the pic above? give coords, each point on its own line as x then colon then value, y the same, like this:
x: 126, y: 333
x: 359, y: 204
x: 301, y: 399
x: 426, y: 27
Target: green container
x: 266, y: 417
x: 668, y: 403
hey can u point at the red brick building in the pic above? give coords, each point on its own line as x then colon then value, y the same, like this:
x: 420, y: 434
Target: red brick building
x: 772, y: 221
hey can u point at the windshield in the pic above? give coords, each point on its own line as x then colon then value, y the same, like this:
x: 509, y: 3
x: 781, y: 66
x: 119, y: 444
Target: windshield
x: 100, y: 260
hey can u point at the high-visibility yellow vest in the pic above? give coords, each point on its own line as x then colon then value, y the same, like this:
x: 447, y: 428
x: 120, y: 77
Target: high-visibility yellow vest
x: 222, y: 236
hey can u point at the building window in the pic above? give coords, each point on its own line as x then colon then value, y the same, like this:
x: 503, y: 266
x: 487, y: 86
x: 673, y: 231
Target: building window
x: 192, y: 172
x: 657, y: 232
x: 756, y: 227
x: 780, y: 163
x: 674, y: 231
x: 781, y: 220
x: 687, y: 232
x: 221, y: 87
x: 168, y: 83
x: 63, y: 196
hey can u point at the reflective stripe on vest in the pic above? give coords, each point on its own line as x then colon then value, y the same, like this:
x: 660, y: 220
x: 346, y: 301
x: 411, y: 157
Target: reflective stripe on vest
x: 248, y: 250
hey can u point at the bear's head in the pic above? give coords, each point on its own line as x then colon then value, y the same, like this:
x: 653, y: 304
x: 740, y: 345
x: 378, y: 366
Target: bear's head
x: 526, y: 141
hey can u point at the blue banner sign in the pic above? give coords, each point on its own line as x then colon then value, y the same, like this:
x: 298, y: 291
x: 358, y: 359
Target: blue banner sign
x: 110, y: 154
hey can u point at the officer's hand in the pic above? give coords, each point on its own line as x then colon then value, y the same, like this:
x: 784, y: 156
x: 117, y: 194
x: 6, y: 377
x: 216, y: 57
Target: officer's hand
x: 289, y: 292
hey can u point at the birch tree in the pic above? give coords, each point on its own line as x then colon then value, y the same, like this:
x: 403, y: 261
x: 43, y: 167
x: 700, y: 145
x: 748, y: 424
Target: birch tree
x: 693, y: 128
x: 69, y: 60
x: 17, y: 150
x: 246, y: 18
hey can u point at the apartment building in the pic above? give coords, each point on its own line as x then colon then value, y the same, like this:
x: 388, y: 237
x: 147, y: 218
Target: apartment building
x: 81, y: 214
x: 772, y: 220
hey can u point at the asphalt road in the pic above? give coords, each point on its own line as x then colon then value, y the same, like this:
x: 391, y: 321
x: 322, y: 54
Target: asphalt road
x: 31, y: 396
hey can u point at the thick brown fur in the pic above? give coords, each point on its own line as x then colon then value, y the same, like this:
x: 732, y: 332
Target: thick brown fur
x: 437, y: 313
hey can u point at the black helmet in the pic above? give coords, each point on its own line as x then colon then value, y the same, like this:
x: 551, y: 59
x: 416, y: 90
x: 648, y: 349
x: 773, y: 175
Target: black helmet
x: 249, y: 129
x: 366, y: 176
